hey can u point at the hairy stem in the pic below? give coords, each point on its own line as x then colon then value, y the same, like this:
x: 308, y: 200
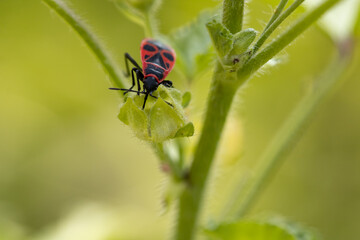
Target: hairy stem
x: 284, y: 39
x: 277, y: 12
x: 223, y: 89
x: 167, y: 162
x: 90, y: 39
x: 149, y: 26
x: 219, y: 102
x: 221, y: 95
x: 292, y: 129
x: 271, y: 28
x: 233, y: 15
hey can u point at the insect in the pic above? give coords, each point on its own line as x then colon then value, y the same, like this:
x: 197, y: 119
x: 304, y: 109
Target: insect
x: 157, y: 62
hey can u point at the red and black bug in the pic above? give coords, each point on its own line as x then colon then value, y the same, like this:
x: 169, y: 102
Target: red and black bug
x: 157, y: 61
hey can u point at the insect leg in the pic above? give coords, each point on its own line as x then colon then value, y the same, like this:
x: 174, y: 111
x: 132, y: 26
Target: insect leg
x: 146, y: 96
x: 139, y: 77
x: 129, y: 58
x: 124, y: 89
x: 167, y: 83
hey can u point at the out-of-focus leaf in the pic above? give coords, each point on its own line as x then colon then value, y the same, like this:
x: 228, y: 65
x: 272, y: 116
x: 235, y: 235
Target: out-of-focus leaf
x: 186, y: 98
x: 252, y: 230
x: 298, y: 231
x: 191, y: 42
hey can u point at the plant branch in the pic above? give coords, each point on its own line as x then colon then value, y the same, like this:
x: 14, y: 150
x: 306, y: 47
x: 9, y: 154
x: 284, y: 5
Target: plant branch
x: 284, y: 39
x: 277, y: 12
x: 269, y: 30
x: 220, y: 98
x: 90, y: 39
x: 294, y: 126
x: 166, y: 161
x: 149, y: 27
x: 233, y: 15
x: 221, y: 95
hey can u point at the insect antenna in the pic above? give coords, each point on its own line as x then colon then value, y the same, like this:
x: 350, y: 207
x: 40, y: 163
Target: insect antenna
x: 126, y: 90
x: 146, y: 95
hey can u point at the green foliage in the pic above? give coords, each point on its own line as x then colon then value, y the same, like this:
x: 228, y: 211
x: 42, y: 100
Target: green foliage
x: 159, y: 121
x: 186, y: 98
x: 186, y: 131
x: 232, y: 49
x: 221, y: 37
x: 192, y: 46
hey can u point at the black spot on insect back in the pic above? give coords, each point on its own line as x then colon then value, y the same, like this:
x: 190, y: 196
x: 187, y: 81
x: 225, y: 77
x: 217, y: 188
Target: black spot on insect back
x: 149, y: 48
x: 168, y: 56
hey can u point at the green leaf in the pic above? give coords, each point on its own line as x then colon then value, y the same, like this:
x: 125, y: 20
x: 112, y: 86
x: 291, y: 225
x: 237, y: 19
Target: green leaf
x: 253, y: 230
x: 135, y: 118
x: 173, y: 96
x: 221, y: 37
x: 161, y: 119
x: 186, y: 98
x: 164, y: 121
x: 191, y: 42
x: 186, y: 131
x: 232, y: 49
x: 242, y: 40
x: 240, y: 52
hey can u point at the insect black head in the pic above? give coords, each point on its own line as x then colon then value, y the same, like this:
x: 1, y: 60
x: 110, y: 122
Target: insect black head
x: 150, y: 84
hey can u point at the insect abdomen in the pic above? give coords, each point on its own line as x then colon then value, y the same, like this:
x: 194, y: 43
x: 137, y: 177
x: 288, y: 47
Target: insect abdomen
x: 153, y: 69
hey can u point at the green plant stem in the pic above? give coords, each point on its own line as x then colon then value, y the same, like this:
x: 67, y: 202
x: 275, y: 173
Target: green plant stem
x: 284, y: 39
x: 90, y: 39
x: 233, y: 15
x: 277, y: 12
x: 268, y: 31
x: 219, y: 102
x: 149, y: 27
x: 175, y: 167
x: 292, y: 129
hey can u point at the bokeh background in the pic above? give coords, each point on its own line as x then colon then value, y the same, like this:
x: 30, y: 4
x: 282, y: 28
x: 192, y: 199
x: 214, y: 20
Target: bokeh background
x: 69, y: 169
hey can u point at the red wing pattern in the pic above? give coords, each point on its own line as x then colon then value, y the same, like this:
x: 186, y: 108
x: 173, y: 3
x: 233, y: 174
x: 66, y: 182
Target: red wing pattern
x: 157, y: 59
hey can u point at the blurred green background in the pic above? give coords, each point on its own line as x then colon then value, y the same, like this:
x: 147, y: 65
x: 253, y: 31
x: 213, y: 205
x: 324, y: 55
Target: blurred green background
x: 69, y: 169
